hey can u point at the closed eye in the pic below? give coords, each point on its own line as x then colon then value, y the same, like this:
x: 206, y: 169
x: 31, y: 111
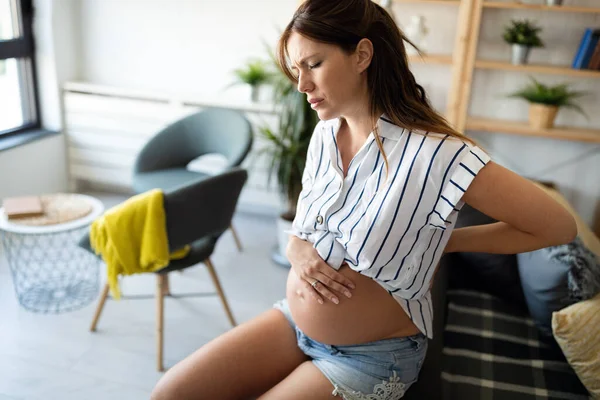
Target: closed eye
x: 314, y: 65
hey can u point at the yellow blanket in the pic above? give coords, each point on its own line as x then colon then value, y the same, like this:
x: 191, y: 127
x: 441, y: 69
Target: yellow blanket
x: 132, y: 238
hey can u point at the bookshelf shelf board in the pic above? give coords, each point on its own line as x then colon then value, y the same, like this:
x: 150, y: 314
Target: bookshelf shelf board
x: 445, y: 2
x: 523, y: 128
x: 431, y: 59
x: 538, y: 68
x: 575, y: 9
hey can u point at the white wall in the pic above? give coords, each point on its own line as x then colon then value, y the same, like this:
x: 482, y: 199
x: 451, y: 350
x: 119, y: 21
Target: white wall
x: 36, y: 168
x: 191, y: 46
x: 182, y: 46
x: 57, y: 31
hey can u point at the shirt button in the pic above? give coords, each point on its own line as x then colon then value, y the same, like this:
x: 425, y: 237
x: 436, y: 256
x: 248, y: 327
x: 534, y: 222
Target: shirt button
x: 319, y: 219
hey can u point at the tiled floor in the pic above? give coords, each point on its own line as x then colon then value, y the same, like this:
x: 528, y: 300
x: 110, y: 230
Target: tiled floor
x: 56, y: 357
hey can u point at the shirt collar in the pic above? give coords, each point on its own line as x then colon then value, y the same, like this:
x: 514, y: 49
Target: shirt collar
x: 388, y: 129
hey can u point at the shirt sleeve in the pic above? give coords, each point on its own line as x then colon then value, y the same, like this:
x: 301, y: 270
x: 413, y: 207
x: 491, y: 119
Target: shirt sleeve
x: 464, y: 163
x: 313, y: 156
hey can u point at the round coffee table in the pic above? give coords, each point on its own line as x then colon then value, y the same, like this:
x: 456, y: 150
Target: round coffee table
x: 51, y: 273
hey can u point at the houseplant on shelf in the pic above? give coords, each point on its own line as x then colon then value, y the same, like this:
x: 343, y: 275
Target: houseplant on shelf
x: 286, y: 154
x: 544, y: 102
x: 522, y: 36
x: 255, y: 73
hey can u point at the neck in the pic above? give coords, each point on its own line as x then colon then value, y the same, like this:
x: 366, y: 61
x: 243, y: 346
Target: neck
x: 359, y: 119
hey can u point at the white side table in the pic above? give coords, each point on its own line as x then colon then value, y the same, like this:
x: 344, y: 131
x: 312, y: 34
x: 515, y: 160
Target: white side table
x: 51, y: 273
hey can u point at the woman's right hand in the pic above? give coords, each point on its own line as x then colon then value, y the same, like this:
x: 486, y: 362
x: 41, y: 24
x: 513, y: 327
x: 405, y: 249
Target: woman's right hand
x: 318, y: 277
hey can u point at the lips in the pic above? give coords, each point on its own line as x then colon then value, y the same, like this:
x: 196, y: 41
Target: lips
x: 314, y: 103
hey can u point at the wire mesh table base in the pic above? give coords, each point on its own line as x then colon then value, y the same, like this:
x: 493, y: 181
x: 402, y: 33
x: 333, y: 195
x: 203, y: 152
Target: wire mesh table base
x: 51, y: 274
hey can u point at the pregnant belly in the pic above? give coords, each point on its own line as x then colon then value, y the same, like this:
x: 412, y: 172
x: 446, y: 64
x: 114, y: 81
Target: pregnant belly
x: 370, y: 314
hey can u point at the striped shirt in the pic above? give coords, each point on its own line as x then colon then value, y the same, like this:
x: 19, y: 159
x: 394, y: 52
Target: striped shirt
x: 393, y: 229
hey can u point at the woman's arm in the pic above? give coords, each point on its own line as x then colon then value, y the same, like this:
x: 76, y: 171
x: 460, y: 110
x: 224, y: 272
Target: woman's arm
x: 530, y: 219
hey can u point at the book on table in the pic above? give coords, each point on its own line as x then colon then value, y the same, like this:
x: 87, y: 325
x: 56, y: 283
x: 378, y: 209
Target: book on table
x: 21, y: 207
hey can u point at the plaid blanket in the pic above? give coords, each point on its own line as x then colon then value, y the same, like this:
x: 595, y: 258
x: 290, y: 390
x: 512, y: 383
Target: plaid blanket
x: 494, y: 351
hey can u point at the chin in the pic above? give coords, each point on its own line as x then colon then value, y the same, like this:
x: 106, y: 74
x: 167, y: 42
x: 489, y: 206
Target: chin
x: 325, y: 115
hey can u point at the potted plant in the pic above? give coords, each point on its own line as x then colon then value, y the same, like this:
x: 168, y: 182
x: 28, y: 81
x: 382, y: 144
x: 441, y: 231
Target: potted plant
x: 522, y: 36
x: 544, y: 102
x: 255, y: 73
x: 286, y: 153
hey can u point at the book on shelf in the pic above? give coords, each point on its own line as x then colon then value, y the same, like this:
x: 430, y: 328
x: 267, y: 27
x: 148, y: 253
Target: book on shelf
x: 21, y: 207
x: 586, y: 49
x: 595, y: 61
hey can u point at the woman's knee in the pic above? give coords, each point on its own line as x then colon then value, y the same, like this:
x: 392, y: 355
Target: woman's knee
x: 175, y: 385
x: 165, y: 389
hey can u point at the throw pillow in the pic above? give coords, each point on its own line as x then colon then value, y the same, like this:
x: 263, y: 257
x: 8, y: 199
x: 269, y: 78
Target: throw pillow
x: 496, y: 274
x: 555, y: 277
x: 210, y: 163
x: 577, y: 332
x: 584, y: 272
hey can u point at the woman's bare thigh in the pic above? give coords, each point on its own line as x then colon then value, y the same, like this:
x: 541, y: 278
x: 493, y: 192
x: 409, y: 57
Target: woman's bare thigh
x: 242, y: 363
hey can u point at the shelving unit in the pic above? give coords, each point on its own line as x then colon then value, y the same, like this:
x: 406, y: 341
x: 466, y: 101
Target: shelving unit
x: 523, y: 128
x: 537, y: 7
x: 460, y: 97
x: 537, y: 69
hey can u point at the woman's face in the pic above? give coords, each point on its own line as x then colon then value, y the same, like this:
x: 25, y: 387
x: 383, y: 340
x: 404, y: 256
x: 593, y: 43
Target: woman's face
x: 333, y: 80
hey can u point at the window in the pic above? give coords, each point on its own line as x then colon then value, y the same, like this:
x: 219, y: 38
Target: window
x: 18, y: 99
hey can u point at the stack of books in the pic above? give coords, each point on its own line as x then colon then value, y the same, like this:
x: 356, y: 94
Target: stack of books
x: 588, y: 53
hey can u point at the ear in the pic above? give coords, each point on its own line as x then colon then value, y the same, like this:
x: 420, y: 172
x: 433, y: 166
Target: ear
x: 364, y: 54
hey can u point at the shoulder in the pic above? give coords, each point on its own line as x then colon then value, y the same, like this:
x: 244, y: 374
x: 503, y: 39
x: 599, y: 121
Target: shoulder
x: 442, y: 153
x: 451, y: 146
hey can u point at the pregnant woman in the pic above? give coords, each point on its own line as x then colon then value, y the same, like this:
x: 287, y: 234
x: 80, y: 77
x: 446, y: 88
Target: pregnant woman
x: 384, y: 181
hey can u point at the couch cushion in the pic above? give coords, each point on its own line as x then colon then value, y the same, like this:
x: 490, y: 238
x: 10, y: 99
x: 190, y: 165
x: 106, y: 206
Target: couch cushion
x: 496, y: 274
x: 492, y: 350
x: 576, y: 329
x: 555, y: 277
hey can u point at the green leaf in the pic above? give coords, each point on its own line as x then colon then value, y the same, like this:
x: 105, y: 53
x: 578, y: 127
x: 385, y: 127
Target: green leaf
x: 557, y: 95
x: 523, y: 32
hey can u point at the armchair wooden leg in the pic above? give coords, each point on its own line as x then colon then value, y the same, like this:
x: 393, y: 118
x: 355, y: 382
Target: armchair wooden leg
x: 99, y: 308
x: 160, y: 288
x: 236, y: 238
x: 215, y: 279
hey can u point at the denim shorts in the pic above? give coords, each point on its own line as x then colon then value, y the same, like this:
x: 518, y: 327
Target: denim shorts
x: 383, y: 369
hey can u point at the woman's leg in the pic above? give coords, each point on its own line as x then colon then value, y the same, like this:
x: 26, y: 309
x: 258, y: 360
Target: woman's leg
x: 244, y: 362
x: 306, y: 382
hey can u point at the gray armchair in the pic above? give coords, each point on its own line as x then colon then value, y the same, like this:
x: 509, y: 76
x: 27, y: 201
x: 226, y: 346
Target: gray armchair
x: 196, y: 214
x: 162, y: 161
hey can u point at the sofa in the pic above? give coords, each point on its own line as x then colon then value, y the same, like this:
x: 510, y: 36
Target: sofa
x: 488, y: 342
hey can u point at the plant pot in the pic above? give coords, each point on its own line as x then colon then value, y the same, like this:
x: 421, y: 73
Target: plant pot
x: 542, y: 116
x: 520, y: 54
x: 255, y: 93
x: 554, y: 2
x: 283, y: 238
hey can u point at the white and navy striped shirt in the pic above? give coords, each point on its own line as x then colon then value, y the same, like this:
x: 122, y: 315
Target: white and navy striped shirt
x: 393, y: 230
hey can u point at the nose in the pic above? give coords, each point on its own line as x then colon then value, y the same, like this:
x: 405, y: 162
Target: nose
x: 305, y: 85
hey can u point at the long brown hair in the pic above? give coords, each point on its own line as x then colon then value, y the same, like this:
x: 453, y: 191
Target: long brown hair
x: 393, y: 89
